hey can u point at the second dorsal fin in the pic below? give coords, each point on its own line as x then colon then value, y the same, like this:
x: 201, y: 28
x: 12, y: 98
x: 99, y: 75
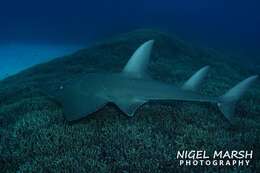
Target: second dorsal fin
x: 137, y: 64
x: 194, y: 82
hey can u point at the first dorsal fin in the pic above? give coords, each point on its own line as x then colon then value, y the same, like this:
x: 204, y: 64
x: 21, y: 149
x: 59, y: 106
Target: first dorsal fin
x: 137, y: 65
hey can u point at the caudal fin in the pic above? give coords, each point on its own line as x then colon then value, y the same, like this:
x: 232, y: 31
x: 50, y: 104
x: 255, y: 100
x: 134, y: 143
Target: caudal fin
x: 227, y: 102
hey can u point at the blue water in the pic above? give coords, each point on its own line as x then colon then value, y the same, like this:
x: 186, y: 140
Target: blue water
x: 19, y: 56
x: 228, y: 25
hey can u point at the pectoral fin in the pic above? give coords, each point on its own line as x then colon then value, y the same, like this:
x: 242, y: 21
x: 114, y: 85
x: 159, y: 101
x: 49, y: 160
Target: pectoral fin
x: 77, y: 104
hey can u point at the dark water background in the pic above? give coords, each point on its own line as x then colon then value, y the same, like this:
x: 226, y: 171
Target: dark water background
x: 232, y: 26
